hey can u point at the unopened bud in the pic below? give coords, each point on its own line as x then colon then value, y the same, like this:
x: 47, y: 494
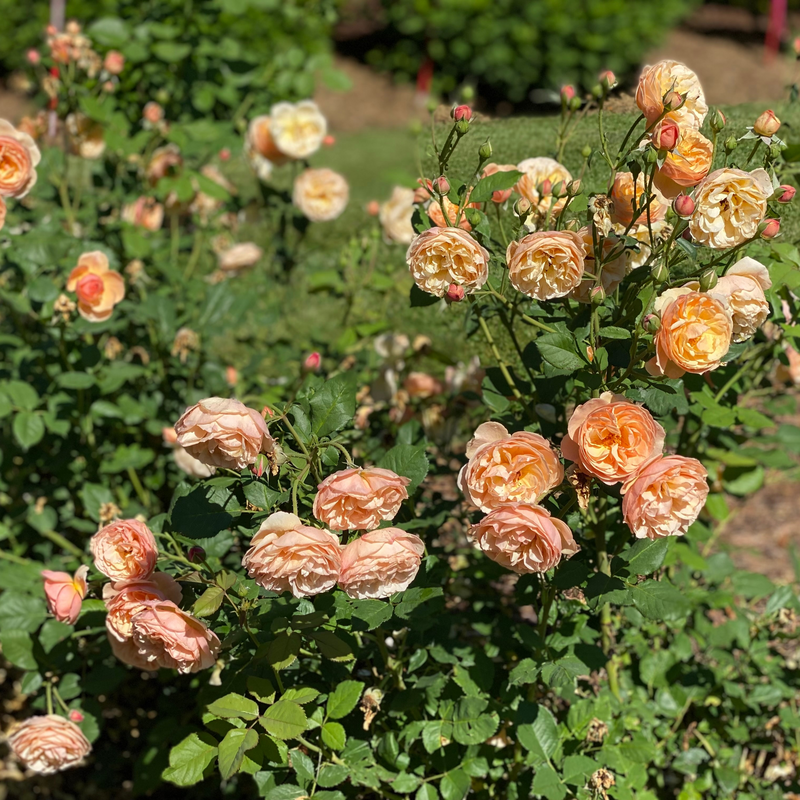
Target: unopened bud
x: 590, y: 353
x: 651, y: 323
x: 573, y: 188
x: 231, y: 376
x: 462, y: 113
x: 313, y: 362
x: 485, y: 150
x: 441, y: 185
x: 373, y: 208
x: 598, y: 92
x: 522, y: 207
x: 608, y: 80
x: 775, y: 149
x: 574, y: 104
x: 462, y: 126
x: 567, y: 93
x: 455, y: 293
x: 718, y: 121
x: 546, y: 187
x: 666, y: 135
x: 329, y: 140
x: 76, y: 716
x: 196, y: 554
x: 660, y: 273
x: 731, y: 143
x: 683, y: 206
x: 673, y: 100
x: 225, y: 154
x: 421, y: 195
x: 34, y: 57
x: 767, y: 124
x: 586, y: 151
x: 769, y: 228
x: 260, y: 465
x: 598, y: 295
x: 785, y: 193
x: 473, y: 216
x: 708, y: 280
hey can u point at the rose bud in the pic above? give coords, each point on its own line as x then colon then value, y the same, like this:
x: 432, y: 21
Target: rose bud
x: 225, y: 154
x: 76, y: 716
x: 718, y: 121
x: 683, y: 206
x: 329, y: 141
x: 522, y: 207
x: 785, y: 193
x: 196, y: 554
x: 608, y: 80
x: 231, y: 376
x: 598, y: 295
x: 441, y: 185
x: 651, y: 323
x: 34, y: 56
x: 660, y: 273
x: 574, y: 188
x: 462, y: 113
x: 708, y: 280
x: 666, y: 135
x: 421, y: 195
x: 769, y: 228
x: 485, y: 150
x: 312, y: 362
x: 373, y: 208
x: 260, y: 465
x: 114, y: 62
x: 575, y: 104
x: 767, y: 124
x: 547, y: 187
x: 673, y: 101
x: 731, y: 143
x: 455, y: 293
x: 567, y: 93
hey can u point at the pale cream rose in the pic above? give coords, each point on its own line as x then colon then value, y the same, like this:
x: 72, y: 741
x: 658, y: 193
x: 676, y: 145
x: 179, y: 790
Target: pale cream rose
x: 523, y: 538
x: 744, y: 285
x: 440, y: 256
x: 240, y: 256
x: 47, y: 744
x: 19, y: 157
x: 98, y: 288
x: 665, y: 497
x: 223, y: 432
x: 546, y: 264
x: 686, y: 165
x: 65, y: 593
x: 190, y: 465
x: 144, y: 212
x: 729, y: 206
x: 124, y: 550
x: 125, y: 600
x: 287, y: 556
x: 297, y: 129
x: 171, y: 638
x: 610, y: 438
x: 437, y: 216
x: 505, y: 467
x: 320, y: 194
x: 625, y: 196
x: 359, y: 499
x: 395, y: 216
x: 613, y: 270
x: 532, y: 186
x: 380, y: 563
x: 695, y: 333
x: 671, y: 76
x: 86, y: 137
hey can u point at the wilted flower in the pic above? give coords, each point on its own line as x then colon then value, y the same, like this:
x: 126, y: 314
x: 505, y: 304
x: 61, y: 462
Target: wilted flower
x: 185, y: 341
x: 144, y: 212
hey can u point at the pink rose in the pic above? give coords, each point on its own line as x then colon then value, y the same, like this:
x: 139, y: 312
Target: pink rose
x: 127, y: 651
x: 665, y: 497
x: 287, y: 556
x: 523, y: 538
x: 114, y: 62
x: 380, y: 563
x: 223, y: 432
x: 420, y: 384
x: 124, y: 550
x: 65, y: 593
x: 125, y: 600
x: 98, y: 288
x: 48, y: 744
x: 359, y: 499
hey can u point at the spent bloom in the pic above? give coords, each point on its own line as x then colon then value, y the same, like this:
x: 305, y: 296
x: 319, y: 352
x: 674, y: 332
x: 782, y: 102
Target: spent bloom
x: 65, y: 593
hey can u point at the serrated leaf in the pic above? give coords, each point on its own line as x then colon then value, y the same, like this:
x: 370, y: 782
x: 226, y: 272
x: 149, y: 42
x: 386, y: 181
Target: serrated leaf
x: 527, y: 671
x: 455, y: 784
x: 333, y: 735
x: 660, y: 600
x: 344, y: 698
x: 331, y: 646
x: 28, y: 428
x: 646, y: 556
x: 261, y: 688
x: 283, y: 650
x: 301, y: 695
x: 17, y: 647
x: 234, y: 705
x: 189, y: 758
x: 232, y: 749
x: 470, y: 724
x: 209, y: 602
x: 333, y: 405
x: 560, y: 350
x: 284, y: 720
x: 498, y: 182
x: 407, y: 460
x: 537, y: 730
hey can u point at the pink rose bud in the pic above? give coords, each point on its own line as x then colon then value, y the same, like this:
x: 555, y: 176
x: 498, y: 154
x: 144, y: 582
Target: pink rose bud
x: 608, y: 80
x: 231, y: 376
x: 169, y: 435
x: 153, y: 112
x: 769, y: 228
x: 567, y: 93
x: 225, y: 154
x: 76, y: 716
x: 547, y: 187
x: 683, y: 205
x: 598, y: 295
x: 114, y: 62
x: 441, y: 185
x: 651, y: 323
x: 666, y: 135
x: 462, y: 112
x: 373, y: 208
x: 196, y: 554
x: 785, y: 193
x: 312, y: 362
x: 260, y: 466
x: 455, y: 293
x: 673, y: 101
x: 329, y: 141
x: 421, y: 195
x: 796, y: 46
x: 65, y: 593
x: 34, y: 57
x: 767, y: 124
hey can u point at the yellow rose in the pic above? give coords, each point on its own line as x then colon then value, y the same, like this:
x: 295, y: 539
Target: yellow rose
x: 546, y: 264
x: 321, y: 194
x: 686, y: 165
x: 671, y: 76
x: 439, y: 257
x: 19, y: 156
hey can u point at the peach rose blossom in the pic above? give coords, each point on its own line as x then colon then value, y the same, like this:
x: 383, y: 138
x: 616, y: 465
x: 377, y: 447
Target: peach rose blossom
x: 451, y: 209
x: 114, y: 62
x: 125, y: 600
x: 19, y: 157
x: 144, y: 212
x: 98, y: 288
x: 610, y: 438
x: 380, y: 563
x: 86, y: 137
x: 153, y: 112
x: 127, y: 651
x: 695, y: 333
x: 671, y: 76
x: 223, y: 432
x: 287, y: 556
x: 395, y: 216
x: 505, y: 467
x: 3, y: 212
x: 729, y: 206
x: 124, y: 550
x: 240, y: 256
x: 440, y: 256
x: 744, y: 285
x: 320, y: 194
x: 523, y: 538
x: 665, y: 497
x: 359, y: 499
x: 624, y: 196
x: 297, y: 129
x: 164, y: 161
x: 190, y: 465
x: 420, y: 384
x: 546, y: 264
x: 260, y: 148
x: 48, y: 743
x: 173, y: 639
x: 532, y: 186
x: 612, y: 271
x: 686, y: 165
x: 65, y: 593
x: 501, y: 195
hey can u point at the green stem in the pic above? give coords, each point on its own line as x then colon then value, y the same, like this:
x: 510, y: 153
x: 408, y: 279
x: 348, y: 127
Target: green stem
x: 48, y: 689
x: 137, y: 485
x: 64, y: 543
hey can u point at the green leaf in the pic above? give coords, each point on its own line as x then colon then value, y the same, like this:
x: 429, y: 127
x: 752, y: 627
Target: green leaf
x: 171, y: 52
x: 188, y: 760
x: 470, y: 724
x: 646, y: 556
x: 17, y: 647
x: 660, y: 600
x: 577, y: 768
x: 754, y: 419
x: 611, y: 332
x: 407, y: 460
x: 283, y: 650
x: 344, y: 698
x: 284, y: 720
x: 263, y: 690
x: 560, y: 350
x: 527, y: 671
x: 75, y: 380
x: 331, y: 646
x: 456, y: 783
x: 537, y: 730
x: 209, y: 602
x: 21, y: 612
x: 195, y: 513
x: 485, y: 187
x: 301, y: 695
x: 333, y: 735
x: 547, y: 783
x: 427, y: 792
x: 332, y: 775
x: 373, y: 612
x: 419, y: 299
x: 21, y: 394
x: 109, y: 32
x: 28, y: 428
x: 232, y: 748
x: 234, y: 705
x: 333, y: 405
